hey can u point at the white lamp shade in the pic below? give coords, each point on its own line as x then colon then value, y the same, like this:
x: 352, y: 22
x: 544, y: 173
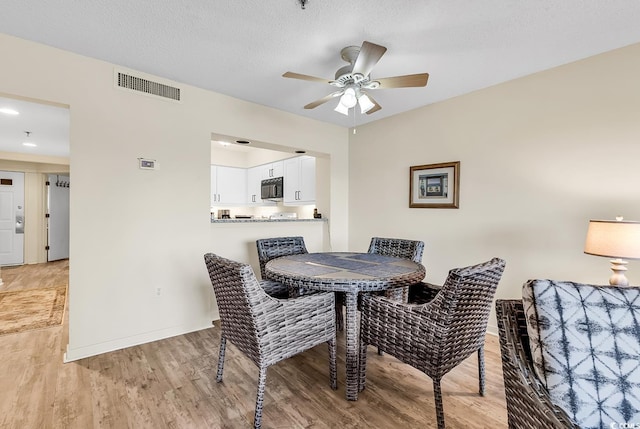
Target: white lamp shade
x: 341, y: 108
x: 365, y: 103
x: 613, y: 239
x: 349, y: 99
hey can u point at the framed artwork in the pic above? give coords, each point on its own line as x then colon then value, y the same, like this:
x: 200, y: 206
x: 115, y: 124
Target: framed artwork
x: 435, y: 186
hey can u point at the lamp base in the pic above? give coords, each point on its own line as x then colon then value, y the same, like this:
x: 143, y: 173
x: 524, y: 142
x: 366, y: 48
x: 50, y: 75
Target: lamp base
x: 618, y: 278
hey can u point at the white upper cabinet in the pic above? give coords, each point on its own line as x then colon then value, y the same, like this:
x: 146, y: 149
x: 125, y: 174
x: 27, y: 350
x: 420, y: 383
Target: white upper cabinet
x: 300, y: 180
x: 233, y: 186
x: 274, y: 169
x: 228, y: 186
x: 254, y: 183
x: 255, y: 176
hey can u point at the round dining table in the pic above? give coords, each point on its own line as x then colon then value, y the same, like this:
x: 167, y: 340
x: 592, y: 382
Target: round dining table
x: 351, y: 273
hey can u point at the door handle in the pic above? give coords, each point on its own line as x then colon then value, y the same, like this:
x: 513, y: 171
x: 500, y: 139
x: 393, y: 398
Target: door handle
x: 19, y: 224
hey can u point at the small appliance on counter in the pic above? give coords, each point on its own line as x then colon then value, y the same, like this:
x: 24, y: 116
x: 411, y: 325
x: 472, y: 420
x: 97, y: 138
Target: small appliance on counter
x: 283, y: 216
x: 244, y: 216
x: 224, y: 214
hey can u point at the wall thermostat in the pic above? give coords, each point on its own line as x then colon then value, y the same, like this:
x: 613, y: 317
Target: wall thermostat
x: 147, y: 164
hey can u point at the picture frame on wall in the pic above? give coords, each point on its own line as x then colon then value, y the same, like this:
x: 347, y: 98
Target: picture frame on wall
x: 435, y: 186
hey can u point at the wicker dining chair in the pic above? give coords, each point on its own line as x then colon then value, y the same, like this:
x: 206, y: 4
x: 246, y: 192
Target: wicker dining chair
x: 401, y: 248
x: 436, y: 336
x: 268, y: 330
x: 528, y: 402
x: 271, y: 248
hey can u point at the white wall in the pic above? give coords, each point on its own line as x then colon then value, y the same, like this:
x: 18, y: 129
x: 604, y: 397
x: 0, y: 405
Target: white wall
x: 540, y: 156
x: 244, y: 236
x: 136, y: 231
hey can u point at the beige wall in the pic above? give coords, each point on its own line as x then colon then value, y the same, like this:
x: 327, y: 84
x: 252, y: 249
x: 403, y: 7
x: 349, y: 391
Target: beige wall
x: 540, y: 156
x: 136, y: 231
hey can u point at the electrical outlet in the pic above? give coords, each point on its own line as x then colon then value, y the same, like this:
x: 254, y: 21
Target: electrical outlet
x: 158, y: 291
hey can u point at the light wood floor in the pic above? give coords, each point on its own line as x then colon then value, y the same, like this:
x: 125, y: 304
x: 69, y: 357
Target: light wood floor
x: 171, y: 384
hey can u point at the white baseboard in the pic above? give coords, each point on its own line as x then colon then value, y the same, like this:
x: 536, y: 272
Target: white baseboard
x: 122, y: 343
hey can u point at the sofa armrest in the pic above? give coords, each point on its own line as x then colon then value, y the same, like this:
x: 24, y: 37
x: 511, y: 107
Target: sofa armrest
x: 528, y: 402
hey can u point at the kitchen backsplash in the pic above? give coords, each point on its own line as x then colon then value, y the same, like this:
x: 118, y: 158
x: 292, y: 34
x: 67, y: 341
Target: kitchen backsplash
x: 303, y: 212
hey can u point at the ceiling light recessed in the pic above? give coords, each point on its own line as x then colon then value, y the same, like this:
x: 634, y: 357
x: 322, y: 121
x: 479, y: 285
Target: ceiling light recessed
x: 27, y: 142
x: 243, y: 142
x: 8, y: 111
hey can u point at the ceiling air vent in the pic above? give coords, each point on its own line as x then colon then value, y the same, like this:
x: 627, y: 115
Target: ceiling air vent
x: 147, y: 86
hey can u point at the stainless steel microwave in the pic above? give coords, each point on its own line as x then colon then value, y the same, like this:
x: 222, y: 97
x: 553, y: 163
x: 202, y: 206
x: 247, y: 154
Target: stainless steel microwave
x: 272, y: 189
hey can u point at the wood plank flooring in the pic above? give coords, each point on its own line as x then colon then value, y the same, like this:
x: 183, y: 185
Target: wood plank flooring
x: 171, y: 384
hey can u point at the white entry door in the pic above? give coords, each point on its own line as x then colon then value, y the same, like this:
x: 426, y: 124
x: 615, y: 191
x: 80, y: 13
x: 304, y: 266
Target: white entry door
x: 11, y: 218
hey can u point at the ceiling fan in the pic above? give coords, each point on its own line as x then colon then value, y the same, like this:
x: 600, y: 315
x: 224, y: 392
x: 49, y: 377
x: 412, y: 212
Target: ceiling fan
x: 354, y: 80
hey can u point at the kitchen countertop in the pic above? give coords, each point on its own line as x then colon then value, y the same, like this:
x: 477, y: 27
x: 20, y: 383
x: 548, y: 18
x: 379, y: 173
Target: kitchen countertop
x: 265, y: 220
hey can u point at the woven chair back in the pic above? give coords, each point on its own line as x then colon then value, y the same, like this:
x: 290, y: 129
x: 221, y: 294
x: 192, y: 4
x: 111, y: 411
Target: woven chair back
x: 237, y: 292
x: 464, y: 306
x: 401, y: 248
x: 271, y: 248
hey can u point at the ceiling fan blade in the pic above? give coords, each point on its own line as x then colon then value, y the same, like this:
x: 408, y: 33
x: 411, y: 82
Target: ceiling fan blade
x: 323, y: 100
x: 369, y: 55
x: 305, y: 77
x: 410, y: 80
x: 376, y: 106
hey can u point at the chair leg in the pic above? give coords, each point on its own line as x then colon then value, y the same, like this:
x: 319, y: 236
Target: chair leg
x: 333, y: 372
x: 362, y: 358
x: 437, y: 393
x: 262, y: 380
x: 481, y: 370
x: 339, y: 314
x: 223, y: 346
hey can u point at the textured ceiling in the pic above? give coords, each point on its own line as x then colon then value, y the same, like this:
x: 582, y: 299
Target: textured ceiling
x: 242, y: 47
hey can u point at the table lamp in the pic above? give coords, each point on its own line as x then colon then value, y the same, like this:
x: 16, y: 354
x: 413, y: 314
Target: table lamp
x: 616, y: 239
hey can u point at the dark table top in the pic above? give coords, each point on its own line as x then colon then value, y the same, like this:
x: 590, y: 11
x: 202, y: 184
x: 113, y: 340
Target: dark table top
x: 345, y: 271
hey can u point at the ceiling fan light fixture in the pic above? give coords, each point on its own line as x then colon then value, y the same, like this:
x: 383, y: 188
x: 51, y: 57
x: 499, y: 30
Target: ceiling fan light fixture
x: 365, y: 103
x: 341, y: 108
x: 355, y: 78
x: 349, y: 99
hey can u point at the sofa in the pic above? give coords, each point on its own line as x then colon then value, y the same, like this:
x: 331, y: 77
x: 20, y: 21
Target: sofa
x: 571, y: 355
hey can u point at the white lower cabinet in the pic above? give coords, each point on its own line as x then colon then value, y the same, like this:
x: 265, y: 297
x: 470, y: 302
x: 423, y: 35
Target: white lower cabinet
x: 228, y: 186
x: 299, y: 181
